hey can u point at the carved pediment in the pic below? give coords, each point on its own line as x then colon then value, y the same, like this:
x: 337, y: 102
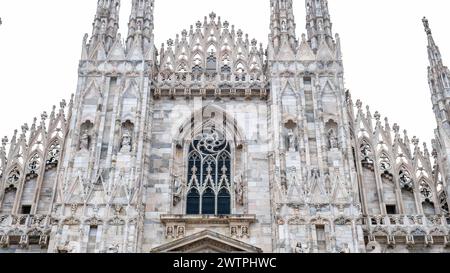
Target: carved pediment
x: 207, y: 242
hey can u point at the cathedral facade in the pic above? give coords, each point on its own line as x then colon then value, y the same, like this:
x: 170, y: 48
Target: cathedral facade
x: 214, y: 143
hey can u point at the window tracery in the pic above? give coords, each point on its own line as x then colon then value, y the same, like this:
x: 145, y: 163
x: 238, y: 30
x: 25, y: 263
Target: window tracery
x: 53, y: 153
x: 34, y: 164
x: 426, y: 191
x: 406, y: 181
x: 366, y: 152
x: 13, y: 179
x: 209, y: 175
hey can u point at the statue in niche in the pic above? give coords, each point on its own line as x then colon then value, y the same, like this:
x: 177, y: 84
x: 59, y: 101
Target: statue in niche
x: 114, y: 248
x: 126, y: 141
x: 406, y: 181
x: 245, y: 232
x: 301, y: 248
x: 320, y: 26
x: 169, y: 232
x: 283, y: 26
x: 345, y: 249
x: 180, y: 232
x: 292, y: 141
x: 239, y: 189
x: 333, y: 142
x: 233, y: 231
x: 177, y: 190
x: 84, y: 141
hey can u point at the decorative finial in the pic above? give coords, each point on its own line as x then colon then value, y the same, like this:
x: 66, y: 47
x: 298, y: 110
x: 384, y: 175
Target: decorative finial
x: 426, y: 24
x: 212, y: 16
x: 25, y: 128
x: 415, y: 141
x: 377, y: 116
x: 44, y: 116
x: 5, y: 141
x: 396, y: 128
x: 63, y: 104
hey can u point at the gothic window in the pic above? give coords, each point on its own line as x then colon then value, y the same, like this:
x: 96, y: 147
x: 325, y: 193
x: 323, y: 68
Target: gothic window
x: 13, y: 178
x: 444, y: 203
x: 445, y: 80
x: 209, y: 175
x: 182, y: 68
x: 226, y: 69
x: 425, y: 191
x: 240, y: 72
x: 211, y: 62
x: 385, y: 164
x: 34, y: 164
x: 240, y: 68
x: 197, y: 60
x: 53, y: 154
x: 366, y: 153
x: 406, y: 181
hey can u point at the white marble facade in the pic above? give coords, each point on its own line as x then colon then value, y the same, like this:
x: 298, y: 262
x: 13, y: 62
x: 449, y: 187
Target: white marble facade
x: 212, y: 143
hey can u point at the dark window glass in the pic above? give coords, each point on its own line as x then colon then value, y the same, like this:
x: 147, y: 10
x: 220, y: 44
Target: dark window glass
x: 209, y: 174
x: 26, y: 210
x: 391, y: 209
x: 208, y: 202
x: 193, y: 202
x: 223, y: 203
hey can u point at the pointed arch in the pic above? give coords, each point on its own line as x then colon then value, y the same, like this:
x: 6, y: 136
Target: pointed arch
x: 240, y: 67
x: 92, y: 94
x: 53, y: 151
x: 131, y: 91
x: 34, y: 163
x: 221, y: 120
x: 212, y: 141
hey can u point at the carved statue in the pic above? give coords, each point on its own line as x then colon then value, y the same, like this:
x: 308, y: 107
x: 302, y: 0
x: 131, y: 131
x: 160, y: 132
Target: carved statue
x: 301, y: 248
x: 291, y: 141
x: 84, y: 141
x: 406, y: 181
x: 239, y: 189
x: 180, y: 233
x: 233, y: 231
x: 126, y: 141
x: 333, y: 142
x: 66, y: 248
x: 345, y: 249
x: 169, y: 232
x: 114, y: 248
x: 245, y: 231
x: 177, y: 190
x: 283, y: 25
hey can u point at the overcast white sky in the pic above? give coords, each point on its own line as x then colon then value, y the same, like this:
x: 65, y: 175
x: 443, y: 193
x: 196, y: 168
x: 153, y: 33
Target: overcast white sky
x: 383, y: 41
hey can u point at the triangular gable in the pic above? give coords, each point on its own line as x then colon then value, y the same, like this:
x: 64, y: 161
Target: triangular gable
x: 117, y: 52
x: 285, y: 53
x: 305, y: 52
x: 204, y: 241
x: 324, y: 53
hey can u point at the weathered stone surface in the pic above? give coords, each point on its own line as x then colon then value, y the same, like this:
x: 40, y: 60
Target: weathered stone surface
x: 282, y: 158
